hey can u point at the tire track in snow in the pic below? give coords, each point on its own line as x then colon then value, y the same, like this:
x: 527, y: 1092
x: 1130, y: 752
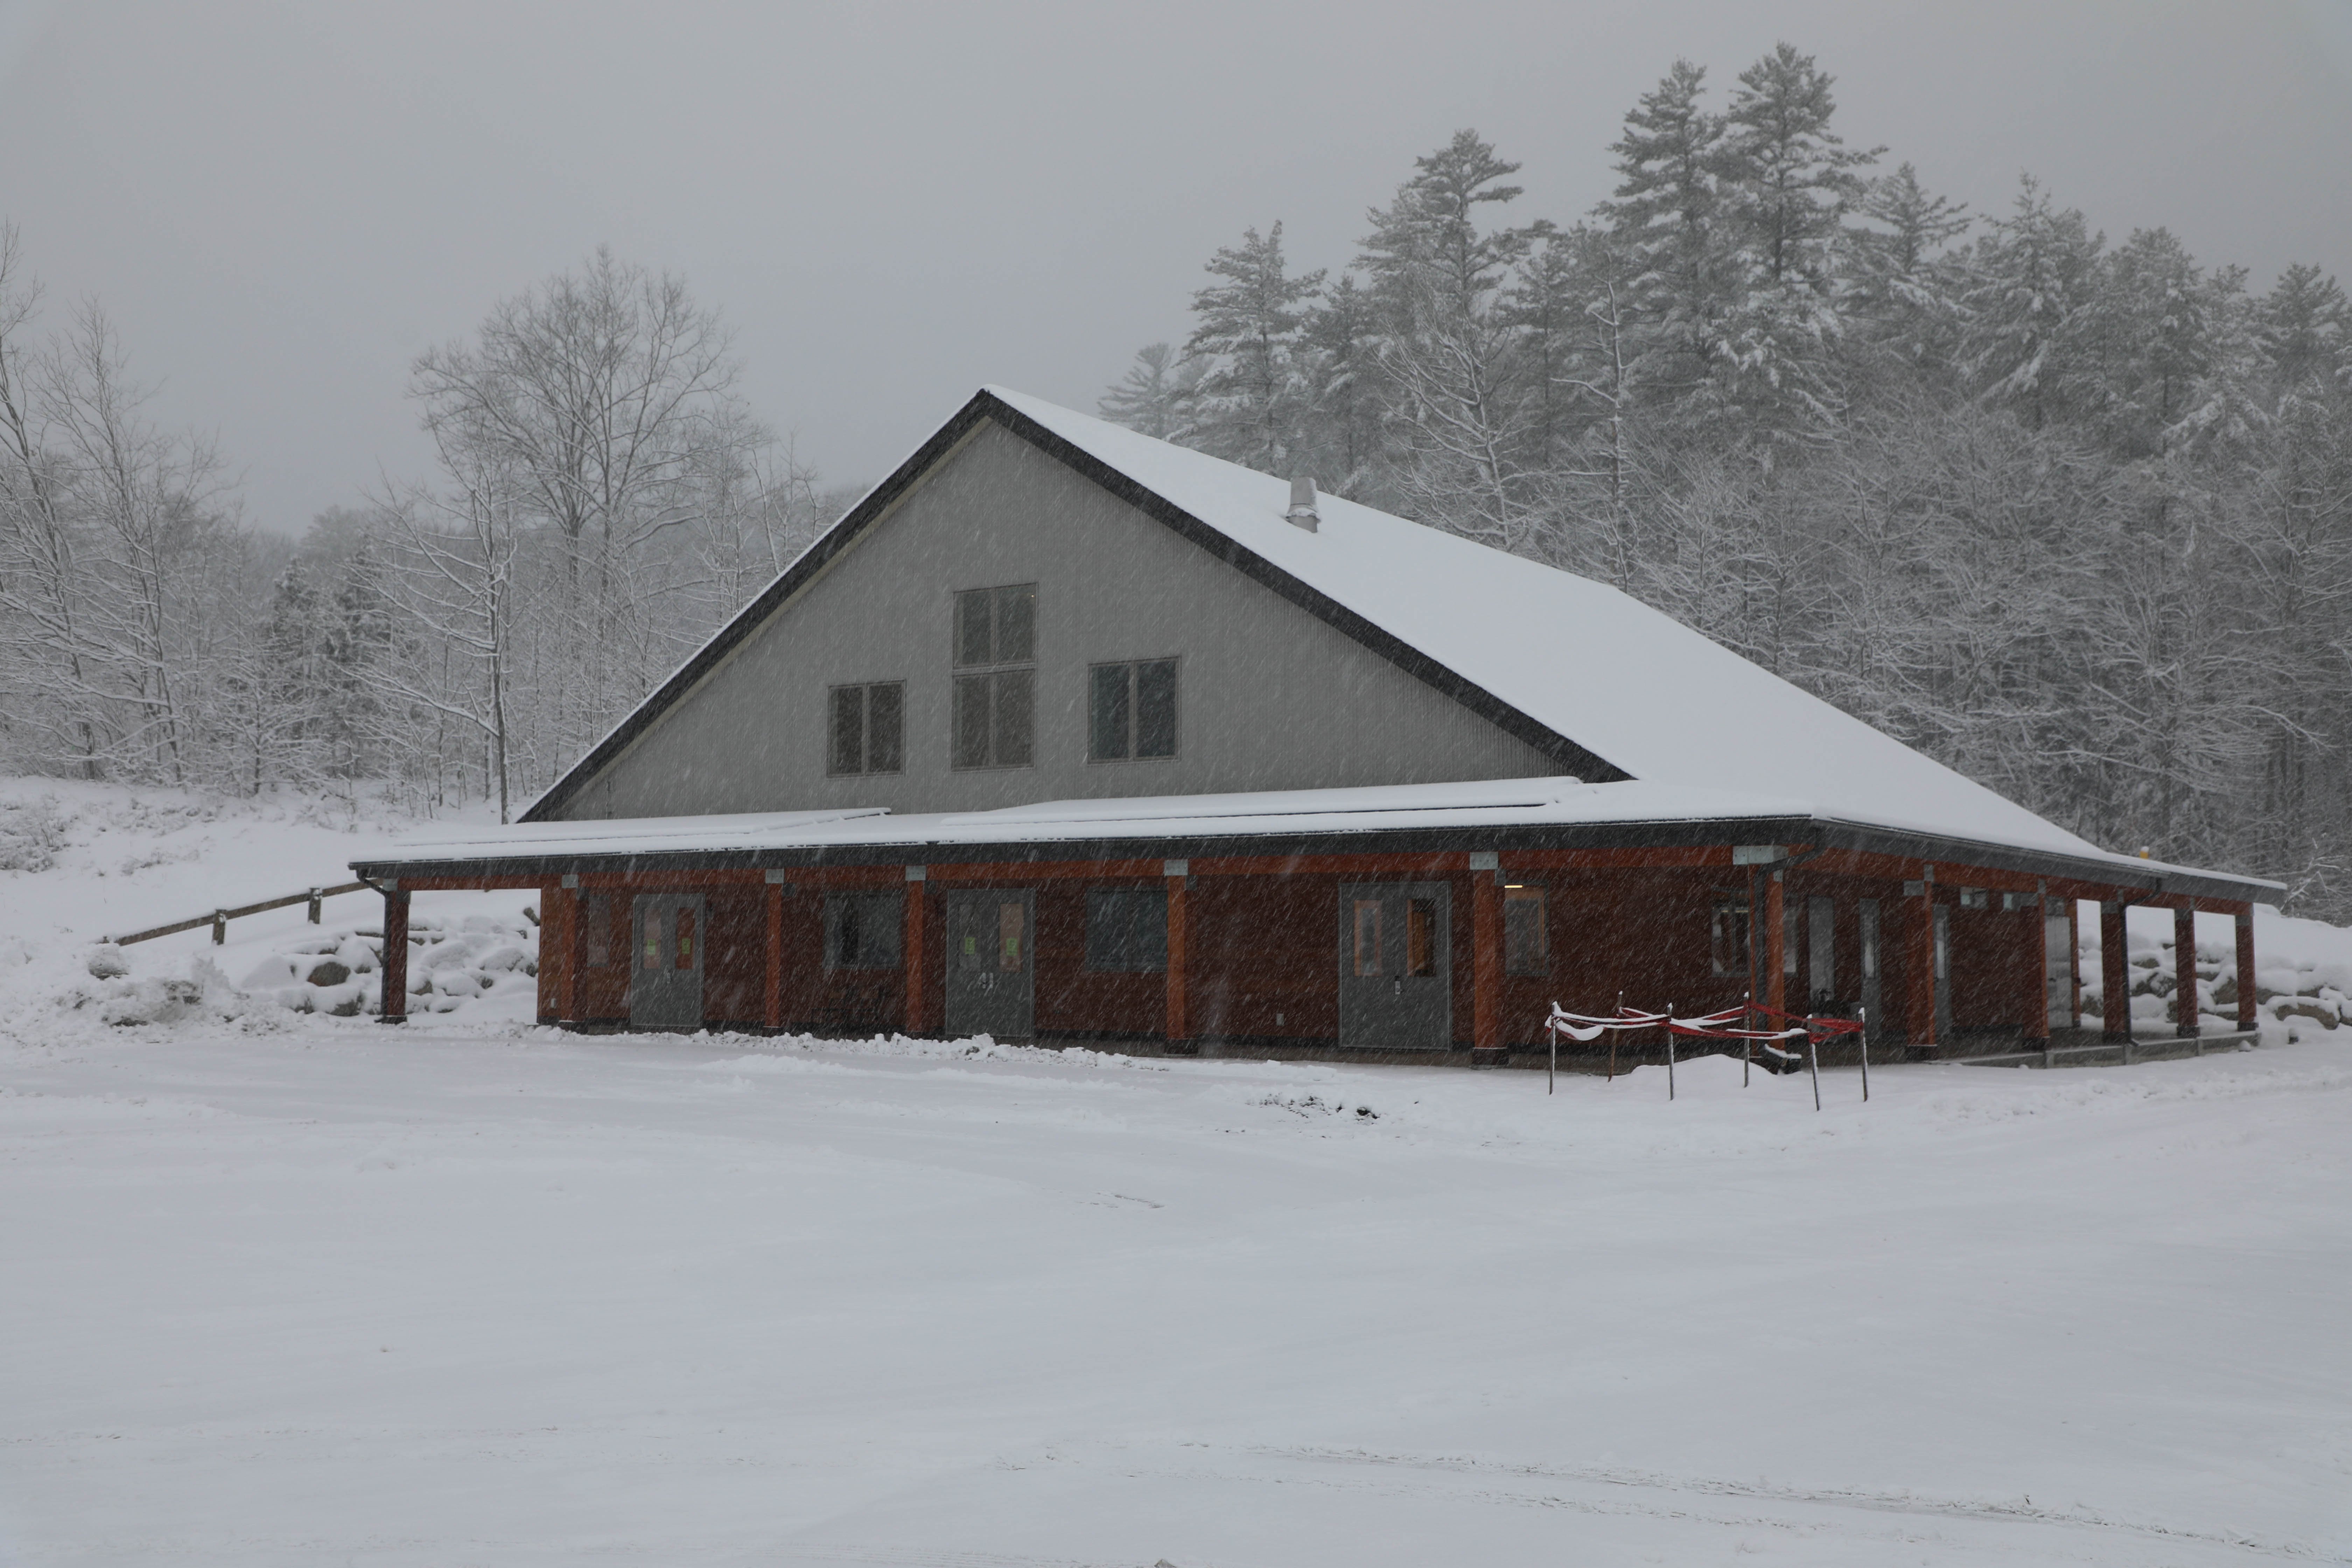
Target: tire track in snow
x: 1854, y: 1498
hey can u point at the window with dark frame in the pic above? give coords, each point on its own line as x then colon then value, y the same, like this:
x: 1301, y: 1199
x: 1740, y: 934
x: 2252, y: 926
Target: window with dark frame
x: 1421, y: 936
x: 1127, y: 931
x: 1131, y: 711
x: 867, y: 727
x: 994, y: 723
x: 1729, y: 938
x: 861, y: 930
x: 596, y: 929
x: 1526, y: 942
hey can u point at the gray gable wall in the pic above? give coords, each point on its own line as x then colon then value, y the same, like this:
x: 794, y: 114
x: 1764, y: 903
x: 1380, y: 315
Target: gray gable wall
x: 1269, y: 696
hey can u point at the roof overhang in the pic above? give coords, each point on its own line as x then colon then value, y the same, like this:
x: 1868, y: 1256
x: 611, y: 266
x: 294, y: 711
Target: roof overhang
x: 1805, y: 836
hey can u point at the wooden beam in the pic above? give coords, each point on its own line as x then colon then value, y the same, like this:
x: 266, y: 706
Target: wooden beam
x: 394, y: 1008
x: 1776, y: 941
x: 520, y: 881
x: 2115, y: 972
x: 2246, y: 1014
x: 1025, y: 871
x: 1179, y: 961
x: 2185, y: 1009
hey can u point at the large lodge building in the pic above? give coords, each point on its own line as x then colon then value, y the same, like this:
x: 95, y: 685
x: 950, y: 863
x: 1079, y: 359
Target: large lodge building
x: 1066, y: 733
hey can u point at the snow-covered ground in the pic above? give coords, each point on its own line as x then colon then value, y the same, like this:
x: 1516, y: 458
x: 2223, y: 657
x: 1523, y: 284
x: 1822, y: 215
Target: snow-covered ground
x: 284, y: 1289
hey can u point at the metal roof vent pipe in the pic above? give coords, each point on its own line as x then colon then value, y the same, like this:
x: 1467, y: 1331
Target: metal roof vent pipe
x: 1302, y: 510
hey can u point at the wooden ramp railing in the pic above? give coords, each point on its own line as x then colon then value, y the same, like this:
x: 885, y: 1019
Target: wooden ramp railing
x: 218, y: 920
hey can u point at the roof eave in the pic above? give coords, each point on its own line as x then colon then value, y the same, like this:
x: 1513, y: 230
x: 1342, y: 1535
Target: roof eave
x: 1812, y: 834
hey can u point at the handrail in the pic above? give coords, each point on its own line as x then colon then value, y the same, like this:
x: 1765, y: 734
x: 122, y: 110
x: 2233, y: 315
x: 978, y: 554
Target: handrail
x: 218, y: 920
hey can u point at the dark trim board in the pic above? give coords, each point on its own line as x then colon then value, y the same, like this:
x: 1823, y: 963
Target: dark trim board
x: 1805, y: 832
x: 1556, y: 748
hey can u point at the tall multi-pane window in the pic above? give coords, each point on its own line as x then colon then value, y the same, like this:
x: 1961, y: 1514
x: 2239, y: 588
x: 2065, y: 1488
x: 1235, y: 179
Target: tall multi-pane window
x: 1526, y: 946
x: 995, y: 719
x: 866, y: 729
x: 1131, y: 711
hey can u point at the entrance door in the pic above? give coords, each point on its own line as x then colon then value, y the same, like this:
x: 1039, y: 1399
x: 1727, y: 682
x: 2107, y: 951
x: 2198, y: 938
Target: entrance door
x: 1868, y: 908
x: 667, y: 932
x: 1396, y: 990
x: 991, y: 964
x: 2058, y: 942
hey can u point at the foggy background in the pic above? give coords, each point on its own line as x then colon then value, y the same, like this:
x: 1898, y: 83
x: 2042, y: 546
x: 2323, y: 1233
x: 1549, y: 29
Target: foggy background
x: 281, y: 206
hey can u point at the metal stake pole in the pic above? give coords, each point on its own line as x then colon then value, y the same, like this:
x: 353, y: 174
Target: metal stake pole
x: 1865, y: 1054
x: 1670, y: 1050
x: 1813, y: 1063
x: 1747, y: 1048
x: 1552, y: 1071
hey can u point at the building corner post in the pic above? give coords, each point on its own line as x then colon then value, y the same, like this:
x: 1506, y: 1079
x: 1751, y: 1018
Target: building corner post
x: 394, y: 1008
x: 2185, y: 1007
x: 2114, y: 975
x: 1776, y: 943
x: 2247, y: 1001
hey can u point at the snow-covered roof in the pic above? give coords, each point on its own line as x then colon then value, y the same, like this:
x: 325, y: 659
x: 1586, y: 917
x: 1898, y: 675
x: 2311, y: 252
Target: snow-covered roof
x: 1492, y: 805
x: 1626, y: 682
x: 1702, y: 733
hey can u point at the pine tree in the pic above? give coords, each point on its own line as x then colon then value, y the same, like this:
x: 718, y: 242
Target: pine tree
x: 1665, y: 216
x: 1788, y: 181
x: 2032, y: 309
x: 1153, y: 397
x: 1252, y: 397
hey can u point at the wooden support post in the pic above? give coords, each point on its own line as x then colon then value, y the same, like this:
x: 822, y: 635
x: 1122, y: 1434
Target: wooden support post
x: 917, y: 963
x: 2037, y: 973
x: 1775, y: 943
x: 2246, y: 1001
x: 394, y: 1006
x: 2074, y: 964
x: 772, y: 1006
x: 2114, y: 975
x: 2184, y: 972
x: 1487, y: 961
x: 1919, y: 963
x: 558, y: 951
x: 220, y: 928
x: 315, y: 901
x: 1179, y: 953
x: 575, y: 942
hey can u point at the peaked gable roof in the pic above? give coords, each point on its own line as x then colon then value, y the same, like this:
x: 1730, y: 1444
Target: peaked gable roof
x: 1609, y: 688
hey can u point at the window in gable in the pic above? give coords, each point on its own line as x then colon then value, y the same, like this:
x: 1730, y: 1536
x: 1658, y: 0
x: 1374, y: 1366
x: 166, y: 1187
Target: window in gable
x: 1131, y: 711
x: 867, y: 727
x: 994, y: 721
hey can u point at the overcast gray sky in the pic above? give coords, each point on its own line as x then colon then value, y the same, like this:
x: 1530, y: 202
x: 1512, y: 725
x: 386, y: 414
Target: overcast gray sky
x: 282, y: 203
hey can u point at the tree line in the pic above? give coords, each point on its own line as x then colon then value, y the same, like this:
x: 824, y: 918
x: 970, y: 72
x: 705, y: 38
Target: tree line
x: 2073, y: 517
x: 601, y: 499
